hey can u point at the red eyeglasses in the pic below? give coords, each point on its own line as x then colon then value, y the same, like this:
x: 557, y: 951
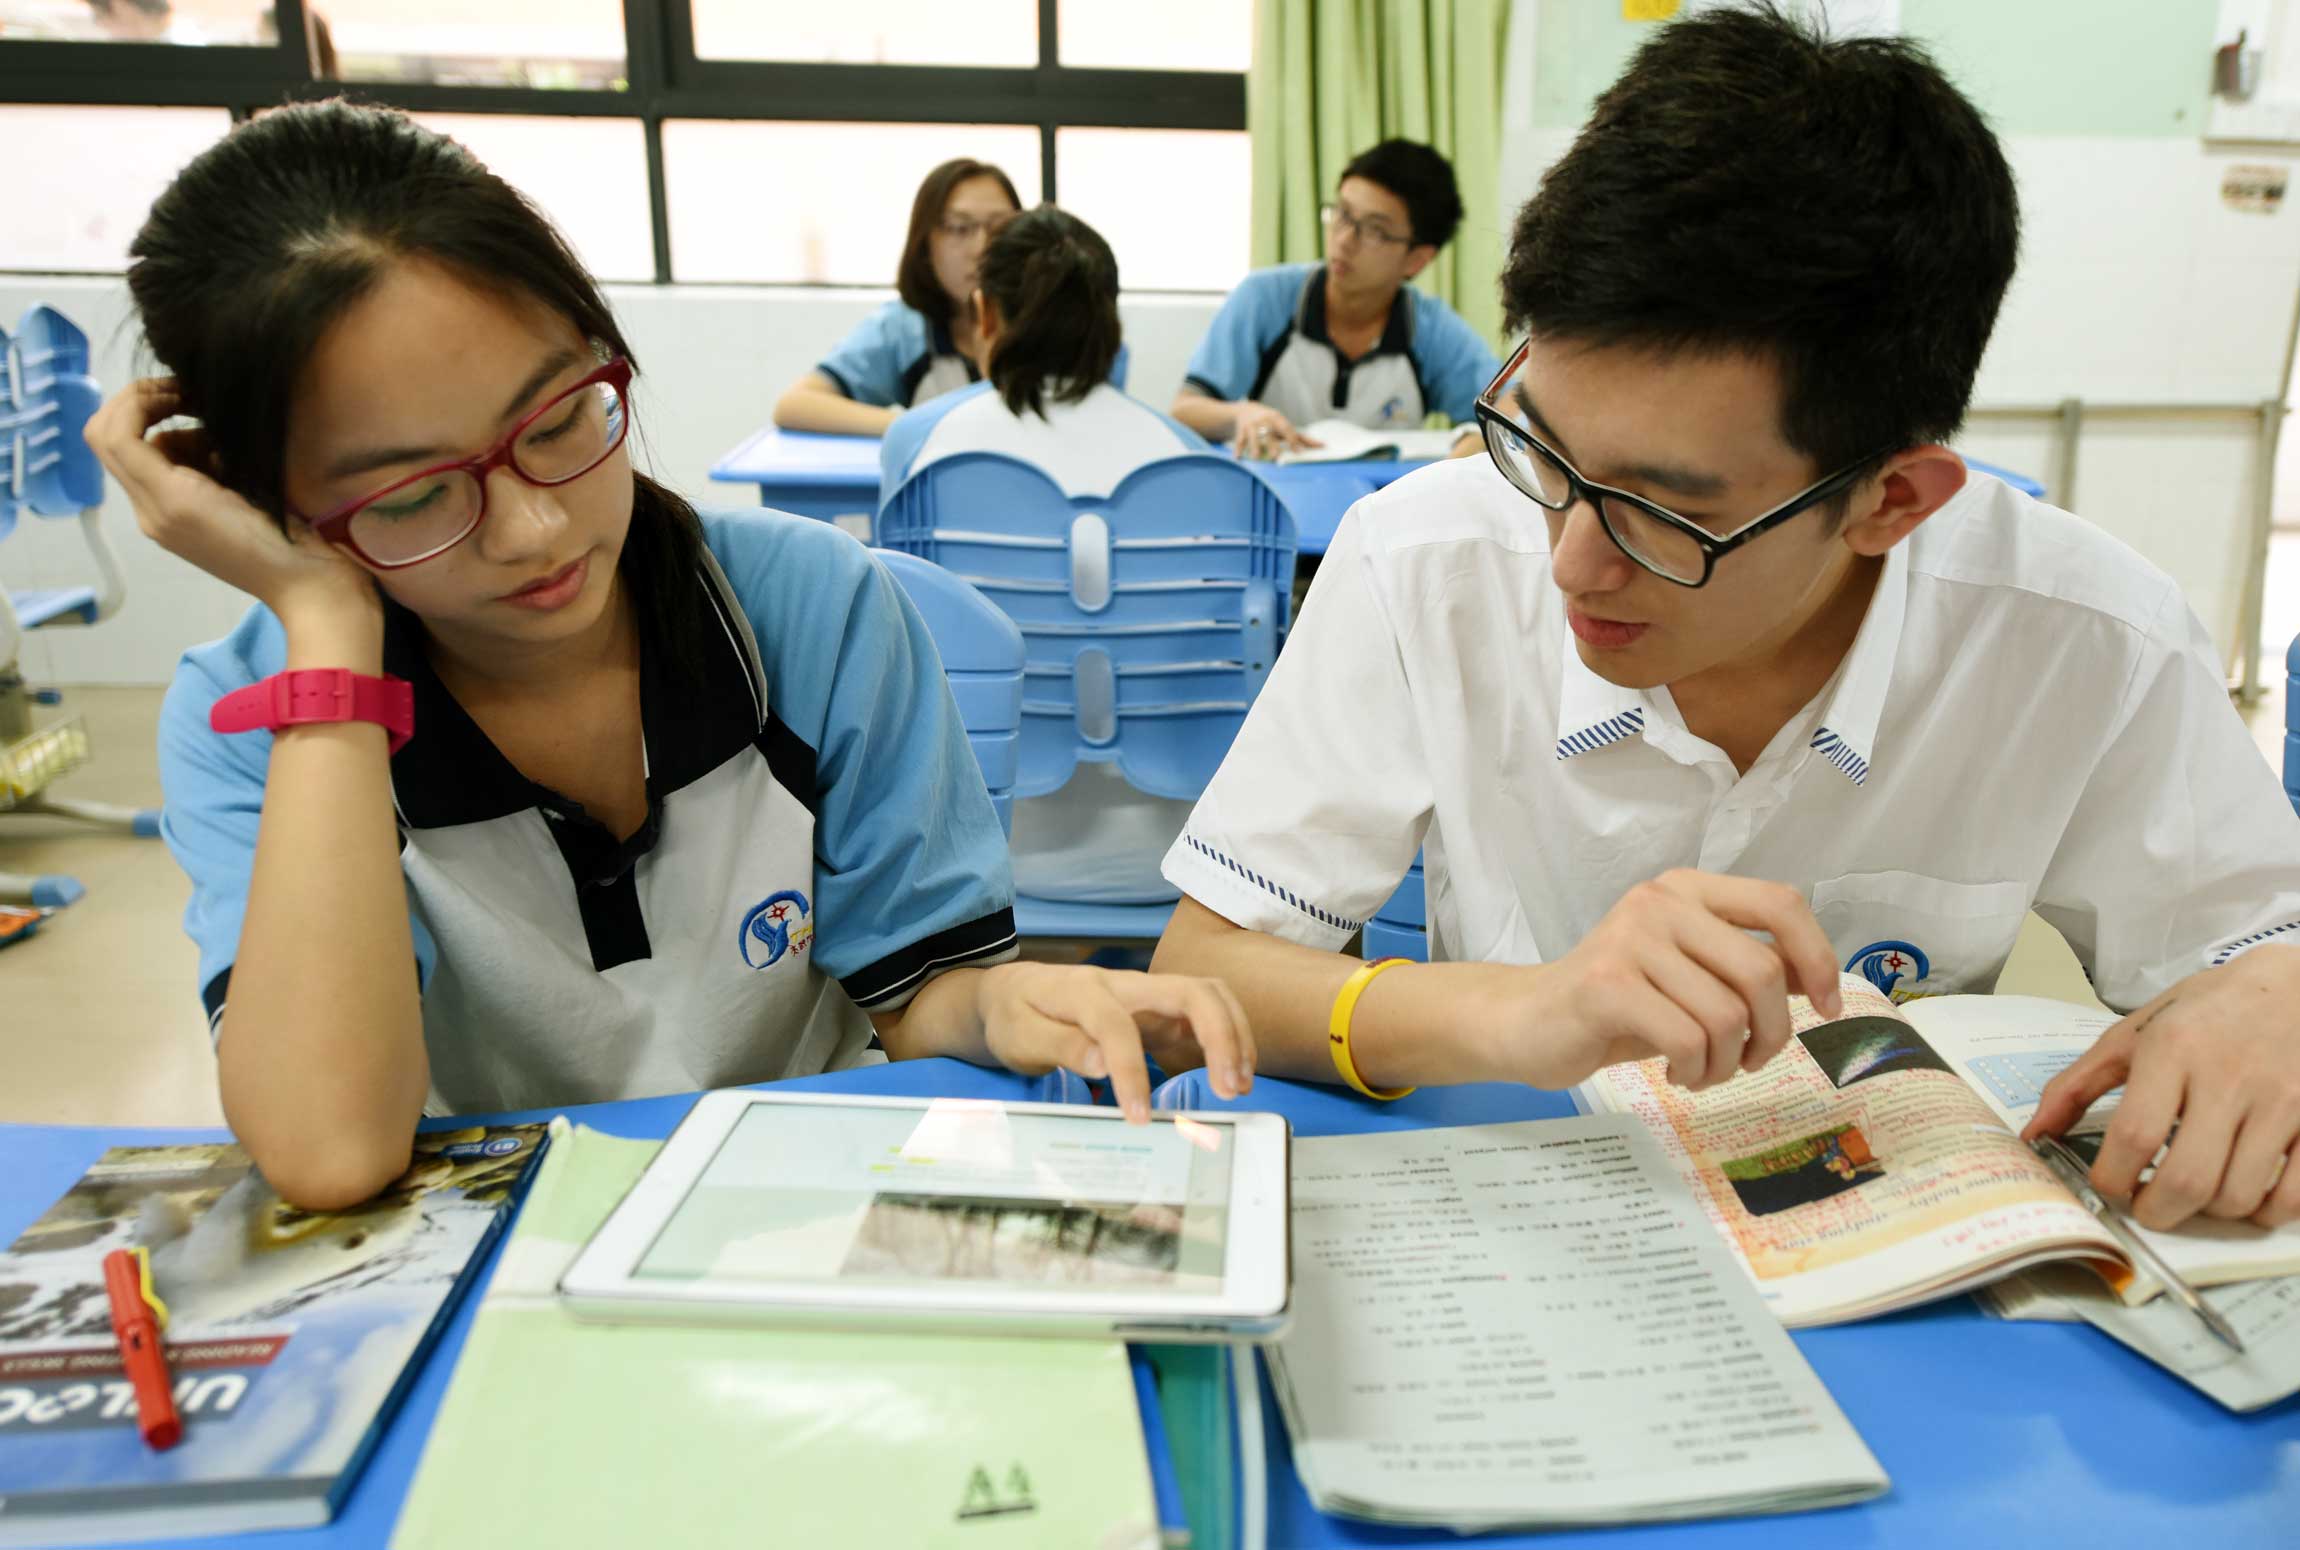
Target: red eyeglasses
x: 427, y: 514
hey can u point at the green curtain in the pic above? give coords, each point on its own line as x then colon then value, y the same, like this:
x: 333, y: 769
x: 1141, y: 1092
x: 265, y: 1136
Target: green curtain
x: 1331, y: 77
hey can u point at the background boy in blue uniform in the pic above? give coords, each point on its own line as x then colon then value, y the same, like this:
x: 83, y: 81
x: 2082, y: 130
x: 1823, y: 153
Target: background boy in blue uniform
x: 1347, y: 339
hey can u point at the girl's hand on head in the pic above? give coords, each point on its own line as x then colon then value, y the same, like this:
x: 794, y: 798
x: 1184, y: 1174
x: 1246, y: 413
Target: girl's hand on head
x: 1101, y: 1023
x: 169, y: 479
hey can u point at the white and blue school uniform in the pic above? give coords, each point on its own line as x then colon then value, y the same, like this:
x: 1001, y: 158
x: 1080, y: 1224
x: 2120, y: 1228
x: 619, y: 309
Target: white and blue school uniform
x: 2029, y: 719
x: 897, y: 358
x: 1269, y: 343
x: 818, y: 843
x: 1097, y: 840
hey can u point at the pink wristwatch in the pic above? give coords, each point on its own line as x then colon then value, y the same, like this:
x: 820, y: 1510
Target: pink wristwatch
x: 304, y: 695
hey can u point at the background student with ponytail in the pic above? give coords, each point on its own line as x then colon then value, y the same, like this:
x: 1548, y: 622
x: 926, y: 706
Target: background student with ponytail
x: 577, y: 794
x: 1049, y: 332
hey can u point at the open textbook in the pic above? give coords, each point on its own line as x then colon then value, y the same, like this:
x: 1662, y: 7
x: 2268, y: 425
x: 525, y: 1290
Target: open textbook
x: 1876, y: 1162
x: 1341, y: 442
x: 1530, y: 1325
x: 2264, y: 1314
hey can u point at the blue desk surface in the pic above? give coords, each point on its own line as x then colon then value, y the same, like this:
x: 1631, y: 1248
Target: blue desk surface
x: 1993, y: 1433
x: 828, y: 477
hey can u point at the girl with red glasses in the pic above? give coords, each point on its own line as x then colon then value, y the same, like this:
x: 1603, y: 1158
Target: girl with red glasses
x: 523, y: 783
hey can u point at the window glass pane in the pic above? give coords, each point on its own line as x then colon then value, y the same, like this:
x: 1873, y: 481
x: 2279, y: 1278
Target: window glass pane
x: 869, y: 32
x: 243, y: 23
x: 556, y: 44
x: 588, y: 174
x: 77, y: 204
x: 1192, y: 232
x: 814, y: 203
x: 1188, y: 35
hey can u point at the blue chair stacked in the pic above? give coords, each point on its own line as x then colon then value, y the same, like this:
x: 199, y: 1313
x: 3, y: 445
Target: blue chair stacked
x: 47, y: 469
x: 2292, y: 724
x: 981, y: 653
x: 1400, y: 928
x: 1151, y: 617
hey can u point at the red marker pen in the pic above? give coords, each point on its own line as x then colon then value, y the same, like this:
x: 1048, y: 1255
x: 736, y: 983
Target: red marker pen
x: 138, y: 1316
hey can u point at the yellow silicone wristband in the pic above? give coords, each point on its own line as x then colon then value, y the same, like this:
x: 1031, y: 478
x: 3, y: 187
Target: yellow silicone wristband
x: 1338, y: 1028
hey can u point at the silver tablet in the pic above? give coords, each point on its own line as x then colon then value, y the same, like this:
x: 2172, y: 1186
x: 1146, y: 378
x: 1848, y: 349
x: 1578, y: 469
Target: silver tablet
x: 951, y: 1214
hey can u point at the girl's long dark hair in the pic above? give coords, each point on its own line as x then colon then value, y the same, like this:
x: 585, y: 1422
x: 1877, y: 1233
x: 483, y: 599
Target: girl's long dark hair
x: 269, y: 236
x: 1055, y: 284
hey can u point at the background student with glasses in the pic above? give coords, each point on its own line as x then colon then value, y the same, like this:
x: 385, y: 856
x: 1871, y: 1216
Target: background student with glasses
x: 922, y: 343
x: 1721, y: 672
x: 1347, y: 339
x: 524, y: 784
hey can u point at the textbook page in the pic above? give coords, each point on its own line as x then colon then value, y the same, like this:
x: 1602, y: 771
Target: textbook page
x: 1347, y: 443
x: 1858, y: 1172
x: 2266, y: 1316
x: 2008, y: 1047
x: 1531, y: 1324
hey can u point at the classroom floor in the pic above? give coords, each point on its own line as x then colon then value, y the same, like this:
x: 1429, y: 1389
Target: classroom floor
x: 100, y: 1023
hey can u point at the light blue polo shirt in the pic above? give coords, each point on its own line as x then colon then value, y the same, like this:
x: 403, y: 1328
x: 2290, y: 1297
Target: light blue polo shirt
x: 818, y: 842
x: 896, y: 358
x: 1269, y: 343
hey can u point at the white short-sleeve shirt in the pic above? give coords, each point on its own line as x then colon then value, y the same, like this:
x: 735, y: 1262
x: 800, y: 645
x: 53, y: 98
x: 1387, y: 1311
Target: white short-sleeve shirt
x: 2030, y: 717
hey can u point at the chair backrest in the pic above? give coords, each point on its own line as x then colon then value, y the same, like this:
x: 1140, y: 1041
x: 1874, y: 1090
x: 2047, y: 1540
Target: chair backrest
x: 2292, y: 723
x: 1400, y: 928
x: 46, y: 397
x: 982, y: 655
x: 1152, y: 615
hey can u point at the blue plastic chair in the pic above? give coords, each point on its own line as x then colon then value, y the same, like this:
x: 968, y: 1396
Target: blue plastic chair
x: 48, y: 469
x: 1400, y: 928
x: 981, y: 652
x: 1151, y: 616
x: 2292, y: 723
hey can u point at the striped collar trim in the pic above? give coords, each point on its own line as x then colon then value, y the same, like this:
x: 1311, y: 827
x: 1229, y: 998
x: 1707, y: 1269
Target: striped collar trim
x: 1611, y: 730
x: 1849, y: 760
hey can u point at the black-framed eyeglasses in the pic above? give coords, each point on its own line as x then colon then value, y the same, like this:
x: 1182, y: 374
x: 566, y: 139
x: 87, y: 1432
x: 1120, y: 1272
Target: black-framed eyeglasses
x: 1337, y: 220
x: 1673, y: 547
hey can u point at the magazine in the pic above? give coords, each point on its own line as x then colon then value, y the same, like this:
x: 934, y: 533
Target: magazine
x: 1876, y: 1162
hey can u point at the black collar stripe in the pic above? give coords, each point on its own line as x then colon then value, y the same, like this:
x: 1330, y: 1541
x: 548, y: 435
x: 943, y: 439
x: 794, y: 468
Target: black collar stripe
x: 1310, y: 320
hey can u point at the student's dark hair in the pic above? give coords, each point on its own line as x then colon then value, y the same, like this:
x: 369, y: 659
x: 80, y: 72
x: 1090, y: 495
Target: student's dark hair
x: 269, y: 236
x: 915, y: 281
x: 1054, y: 282
x: 1423, y: 182
x: 1750, y: 185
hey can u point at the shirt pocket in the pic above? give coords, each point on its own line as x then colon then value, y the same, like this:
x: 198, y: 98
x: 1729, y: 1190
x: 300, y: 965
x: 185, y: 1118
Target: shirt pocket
x: 1913, y: 935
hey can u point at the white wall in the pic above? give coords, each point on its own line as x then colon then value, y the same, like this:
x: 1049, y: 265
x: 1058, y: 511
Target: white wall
x: 713, y: 360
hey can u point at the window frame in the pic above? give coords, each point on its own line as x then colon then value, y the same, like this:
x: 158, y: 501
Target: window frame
x: 665, y: 80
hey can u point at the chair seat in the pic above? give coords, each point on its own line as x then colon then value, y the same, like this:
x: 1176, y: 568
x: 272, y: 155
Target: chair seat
x: 1099, y: 922
x: 50, y: 605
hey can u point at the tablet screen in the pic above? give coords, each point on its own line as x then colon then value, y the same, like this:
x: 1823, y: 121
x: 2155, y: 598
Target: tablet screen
x: 957, y: 1192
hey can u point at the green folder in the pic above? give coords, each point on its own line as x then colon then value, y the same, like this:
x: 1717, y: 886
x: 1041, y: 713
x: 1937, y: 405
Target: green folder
x: 563, y: 1433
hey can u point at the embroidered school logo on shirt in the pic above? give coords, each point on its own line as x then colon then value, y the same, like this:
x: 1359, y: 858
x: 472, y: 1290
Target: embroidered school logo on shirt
x: 777, y: 925
x: 1886, y: 964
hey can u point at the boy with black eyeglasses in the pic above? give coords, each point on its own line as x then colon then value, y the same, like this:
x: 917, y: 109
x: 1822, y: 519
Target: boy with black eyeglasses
x: 1346, y: 339
x: 1721, y: 639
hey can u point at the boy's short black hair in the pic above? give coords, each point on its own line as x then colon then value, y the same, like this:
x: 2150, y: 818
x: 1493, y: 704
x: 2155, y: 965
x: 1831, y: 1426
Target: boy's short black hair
x: 1750, y: 185
x: 1422, y: 180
